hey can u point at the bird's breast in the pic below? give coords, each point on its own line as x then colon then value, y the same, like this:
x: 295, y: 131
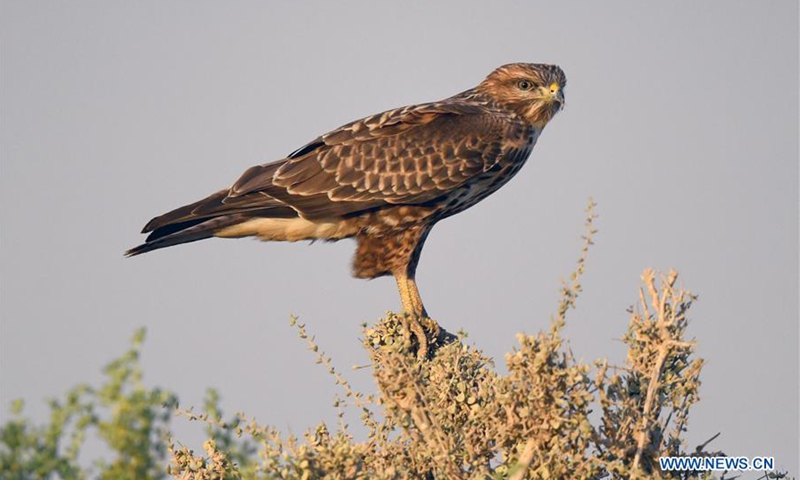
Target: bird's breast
x: 488, y: 182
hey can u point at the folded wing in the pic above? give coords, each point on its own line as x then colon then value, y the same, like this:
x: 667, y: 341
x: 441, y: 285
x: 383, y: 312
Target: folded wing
x: 411, y: 155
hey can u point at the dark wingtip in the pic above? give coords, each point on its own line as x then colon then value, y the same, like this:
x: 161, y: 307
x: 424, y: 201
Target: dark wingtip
x: 138, y: 250
x: 150, y: 226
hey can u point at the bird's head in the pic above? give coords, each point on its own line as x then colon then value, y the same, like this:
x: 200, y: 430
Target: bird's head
x: 534, y: 91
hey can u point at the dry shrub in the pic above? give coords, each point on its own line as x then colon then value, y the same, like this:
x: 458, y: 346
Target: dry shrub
x: 456, y: 417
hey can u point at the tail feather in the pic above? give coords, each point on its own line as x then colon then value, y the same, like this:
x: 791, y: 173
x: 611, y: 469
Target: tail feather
x: 175, y: 234
x: 184, y: 213
x: 202, y: 219
x: 171, y: 228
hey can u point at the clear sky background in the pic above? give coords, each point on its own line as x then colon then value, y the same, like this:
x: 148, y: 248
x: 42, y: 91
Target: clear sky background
x: 681, y: 121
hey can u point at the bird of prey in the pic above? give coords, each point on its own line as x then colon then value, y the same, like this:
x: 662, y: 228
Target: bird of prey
x: 384, y: 180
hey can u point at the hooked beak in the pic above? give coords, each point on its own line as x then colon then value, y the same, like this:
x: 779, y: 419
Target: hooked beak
x: 552, y: 95
x: 556, y: 94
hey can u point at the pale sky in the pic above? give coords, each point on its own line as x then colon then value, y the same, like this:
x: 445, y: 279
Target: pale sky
x: 681, y: 121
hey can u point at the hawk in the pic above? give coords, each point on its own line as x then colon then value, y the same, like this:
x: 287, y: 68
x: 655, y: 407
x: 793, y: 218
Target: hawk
x: 384, y: 180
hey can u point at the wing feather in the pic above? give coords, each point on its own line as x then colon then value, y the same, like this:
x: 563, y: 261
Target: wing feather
x: 409, y: 155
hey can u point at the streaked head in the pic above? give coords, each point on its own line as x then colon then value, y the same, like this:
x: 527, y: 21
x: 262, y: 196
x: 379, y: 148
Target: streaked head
x: 533, y: 90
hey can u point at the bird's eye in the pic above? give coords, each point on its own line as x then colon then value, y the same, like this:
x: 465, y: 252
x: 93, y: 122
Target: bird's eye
x: 525, y: 85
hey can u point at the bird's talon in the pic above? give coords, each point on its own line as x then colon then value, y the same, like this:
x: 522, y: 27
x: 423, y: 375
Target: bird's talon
x: 433, y: 327
x: 425, y: 331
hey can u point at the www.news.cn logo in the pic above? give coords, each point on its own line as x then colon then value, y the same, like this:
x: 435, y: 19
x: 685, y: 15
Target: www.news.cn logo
x: 716, y: 464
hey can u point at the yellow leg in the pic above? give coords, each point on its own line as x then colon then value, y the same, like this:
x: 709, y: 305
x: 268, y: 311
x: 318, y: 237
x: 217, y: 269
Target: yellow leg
x: 430, y: 324
x: 406, y: 298
x: 415, y: 310
x: 416, y: 301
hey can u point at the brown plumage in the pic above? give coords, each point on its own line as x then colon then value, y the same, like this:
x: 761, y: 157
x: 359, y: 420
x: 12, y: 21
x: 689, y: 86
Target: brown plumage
x: 384, y: 180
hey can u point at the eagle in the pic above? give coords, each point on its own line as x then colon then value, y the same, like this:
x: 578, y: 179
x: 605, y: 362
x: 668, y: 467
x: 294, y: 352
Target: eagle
x: 384, y: 180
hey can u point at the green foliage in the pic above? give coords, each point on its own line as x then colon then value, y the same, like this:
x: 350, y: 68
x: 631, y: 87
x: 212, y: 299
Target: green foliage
x: 128, y: 417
